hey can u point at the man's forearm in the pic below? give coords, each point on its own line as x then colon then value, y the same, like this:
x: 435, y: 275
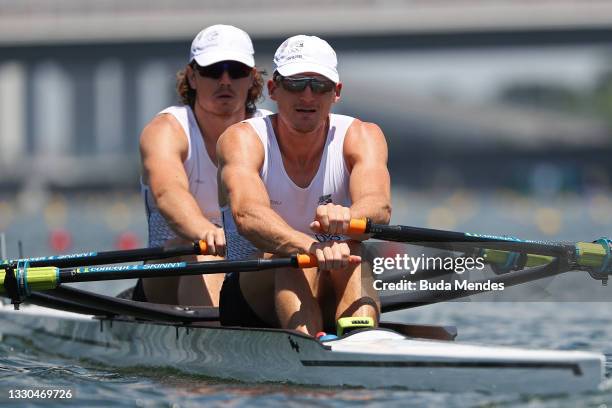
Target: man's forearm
x: 375, y: 208
x: 183, y: 215
x: 269, y: 232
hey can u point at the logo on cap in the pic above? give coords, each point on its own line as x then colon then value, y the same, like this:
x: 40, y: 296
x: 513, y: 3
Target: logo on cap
x: 222, y: 42
x: 211, y: 40
x: 297, y: 47
x: 210, y: 37
x: 302, y: 53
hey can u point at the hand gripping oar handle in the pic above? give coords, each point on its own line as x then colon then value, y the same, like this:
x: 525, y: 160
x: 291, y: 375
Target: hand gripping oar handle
x: 109, y: 257
x: 19, y: 282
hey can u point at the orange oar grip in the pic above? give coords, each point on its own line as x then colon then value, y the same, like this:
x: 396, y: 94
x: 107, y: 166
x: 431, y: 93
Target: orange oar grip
x: 203, y: 247
x: 358, y: 226
x: 307, y: 261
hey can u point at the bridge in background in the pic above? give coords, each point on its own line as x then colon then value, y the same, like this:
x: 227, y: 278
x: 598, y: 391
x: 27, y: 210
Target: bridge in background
x: 78, y: 79
x: 29, y: 22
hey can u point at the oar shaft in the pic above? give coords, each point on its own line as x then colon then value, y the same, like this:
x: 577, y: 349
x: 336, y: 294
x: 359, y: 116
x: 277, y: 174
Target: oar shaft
x: 109, y: 257
x: 98, y: 273
x: 595, y: 257
x: 45, y: 278
x: 460, y: 240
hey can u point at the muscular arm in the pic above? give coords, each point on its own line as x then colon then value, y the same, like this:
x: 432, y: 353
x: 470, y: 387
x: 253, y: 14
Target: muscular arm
x: 241, y: 156
x: 163, y: 147
x: 365, y: 152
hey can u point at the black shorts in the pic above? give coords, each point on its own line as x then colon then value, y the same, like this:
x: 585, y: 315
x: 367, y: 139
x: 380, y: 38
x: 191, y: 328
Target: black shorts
x: 234, y: 310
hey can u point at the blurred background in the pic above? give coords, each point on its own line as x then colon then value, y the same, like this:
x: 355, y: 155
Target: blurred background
x: 498, y: 114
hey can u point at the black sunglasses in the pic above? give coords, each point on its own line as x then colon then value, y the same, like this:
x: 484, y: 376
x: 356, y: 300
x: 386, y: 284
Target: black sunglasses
x: 317, y: 85
x: 235, y: 69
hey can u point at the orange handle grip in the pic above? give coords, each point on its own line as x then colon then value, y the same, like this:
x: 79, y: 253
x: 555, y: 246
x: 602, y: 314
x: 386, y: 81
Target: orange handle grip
x: 358, y: 226
x: 203, y: 247
x: 307, y: 261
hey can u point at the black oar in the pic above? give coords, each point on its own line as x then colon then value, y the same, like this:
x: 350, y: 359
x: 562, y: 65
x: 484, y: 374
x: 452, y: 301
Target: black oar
x: 20, y: 281
x: 417, y: 235
x: 592, y: 256
x: 109, y: 257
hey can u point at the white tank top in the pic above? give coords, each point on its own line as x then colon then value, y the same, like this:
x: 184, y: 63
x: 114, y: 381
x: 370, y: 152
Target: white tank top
x: 201, y: 173
x: 296, y: 205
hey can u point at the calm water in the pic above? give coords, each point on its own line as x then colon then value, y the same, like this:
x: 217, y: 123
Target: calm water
x: 584, y: 326
x: 551, y: 325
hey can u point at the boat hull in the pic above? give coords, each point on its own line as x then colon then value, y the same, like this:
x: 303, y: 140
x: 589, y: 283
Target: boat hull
x: 369, y: 358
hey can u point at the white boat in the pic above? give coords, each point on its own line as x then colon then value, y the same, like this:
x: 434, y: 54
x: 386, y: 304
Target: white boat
x: 365, y: 358
x: 119, y: 332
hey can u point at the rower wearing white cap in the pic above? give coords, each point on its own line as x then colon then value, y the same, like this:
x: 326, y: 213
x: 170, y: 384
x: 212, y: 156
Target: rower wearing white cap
x: 290, y: 183
x: 218, y: 87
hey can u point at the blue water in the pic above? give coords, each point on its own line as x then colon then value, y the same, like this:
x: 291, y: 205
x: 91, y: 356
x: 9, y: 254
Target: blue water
x: 559, y: 325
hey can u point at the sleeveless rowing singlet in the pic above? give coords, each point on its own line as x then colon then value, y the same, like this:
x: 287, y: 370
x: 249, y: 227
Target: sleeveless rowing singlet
x: 201, y: 173
x: 296, y: 205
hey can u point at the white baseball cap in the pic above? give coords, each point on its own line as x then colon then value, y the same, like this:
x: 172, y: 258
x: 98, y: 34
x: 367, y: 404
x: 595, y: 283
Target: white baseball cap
x: 222, y: 43
x: 304, y: 53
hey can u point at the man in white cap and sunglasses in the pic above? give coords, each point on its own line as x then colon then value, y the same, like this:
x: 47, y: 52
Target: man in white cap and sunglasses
x: 218, y: 87
x: 289, y: 184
